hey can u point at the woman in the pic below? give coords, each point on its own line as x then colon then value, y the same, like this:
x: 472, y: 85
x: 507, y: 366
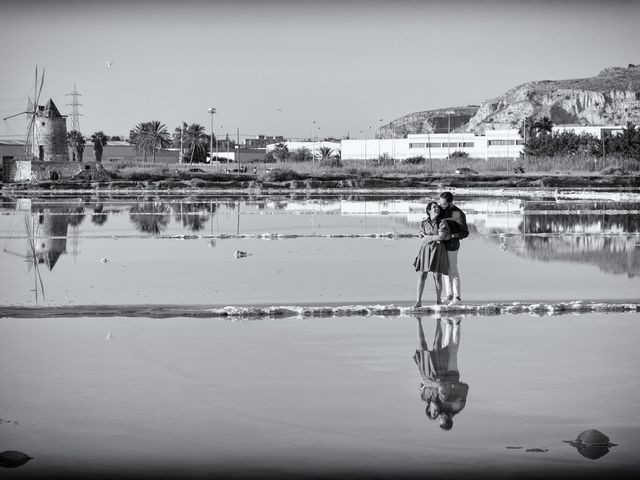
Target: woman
x: 432, y: 256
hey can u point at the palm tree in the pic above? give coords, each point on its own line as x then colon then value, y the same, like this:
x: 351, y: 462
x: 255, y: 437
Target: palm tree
x: 139, y: 139
x: 76, y: 143
x: 325, y: 152
x: 543, y: 125
x: 281, y: 152
x: 158, y: 136
x: 196, y: 141
x: 150, y: 136
x: 99, y: 140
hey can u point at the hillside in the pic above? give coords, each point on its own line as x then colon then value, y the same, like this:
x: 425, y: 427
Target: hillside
x: 430, y: 121
x: 610, y: 98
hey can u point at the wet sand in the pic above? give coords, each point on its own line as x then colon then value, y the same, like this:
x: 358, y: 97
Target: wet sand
x: 191, y: 398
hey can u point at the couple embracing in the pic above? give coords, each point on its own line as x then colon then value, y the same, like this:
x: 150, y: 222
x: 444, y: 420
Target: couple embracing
x: 441, y: 233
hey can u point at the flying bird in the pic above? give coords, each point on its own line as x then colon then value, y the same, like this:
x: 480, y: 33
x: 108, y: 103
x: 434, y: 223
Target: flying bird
x: 109, y: 63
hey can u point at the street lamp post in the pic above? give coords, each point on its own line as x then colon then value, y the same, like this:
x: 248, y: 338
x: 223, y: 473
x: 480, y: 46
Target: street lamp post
x: 212, y: 111
x: 379, y: 138
x: 448, y: 134
x: 313, y: 142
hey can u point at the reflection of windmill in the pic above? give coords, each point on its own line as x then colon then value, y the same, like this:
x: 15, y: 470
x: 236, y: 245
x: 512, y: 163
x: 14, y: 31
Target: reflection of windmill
x: 34, y: 256
x: 32, y: 111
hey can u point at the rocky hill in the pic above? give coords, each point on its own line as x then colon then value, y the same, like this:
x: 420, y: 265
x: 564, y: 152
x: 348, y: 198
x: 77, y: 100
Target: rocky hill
x: 430, y: 121
x: 610, y: 98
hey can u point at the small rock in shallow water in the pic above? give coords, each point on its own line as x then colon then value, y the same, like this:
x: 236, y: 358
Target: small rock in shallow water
x: 13, y: 459
x: 592, y: 444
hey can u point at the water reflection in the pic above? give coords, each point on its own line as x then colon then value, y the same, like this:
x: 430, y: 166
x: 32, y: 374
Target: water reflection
x: 441, y: 388
x: 99, y: 216
x: 150, y: 217
x: 193, y: 215
x: 606, y: 234
x: 618, y: 255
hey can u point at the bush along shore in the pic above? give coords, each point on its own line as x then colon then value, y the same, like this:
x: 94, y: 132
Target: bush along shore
x: 279, y: 179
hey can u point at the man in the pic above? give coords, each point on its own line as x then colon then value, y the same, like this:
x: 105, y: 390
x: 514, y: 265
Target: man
x: 458, y: 225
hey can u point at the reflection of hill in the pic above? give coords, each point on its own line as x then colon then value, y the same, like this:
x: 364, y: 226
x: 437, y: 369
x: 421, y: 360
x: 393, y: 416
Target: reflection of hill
x: 616, y: 255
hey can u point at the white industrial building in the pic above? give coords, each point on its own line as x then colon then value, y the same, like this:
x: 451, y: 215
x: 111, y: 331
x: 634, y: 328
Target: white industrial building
x: 494, y: 143
x: 491, y: 144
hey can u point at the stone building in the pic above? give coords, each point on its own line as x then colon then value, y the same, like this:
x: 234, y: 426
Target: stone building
x: 50, y: 134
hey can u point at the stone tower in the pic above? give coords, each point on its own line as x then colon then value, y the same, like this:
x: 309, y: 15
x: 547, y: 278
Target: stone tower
x: 50, y: 142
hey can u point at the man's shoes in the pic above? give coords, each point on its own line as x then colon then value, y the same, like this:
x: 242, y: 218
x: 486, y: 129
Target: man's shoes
x: 455, y: 301
x: 449, y: 298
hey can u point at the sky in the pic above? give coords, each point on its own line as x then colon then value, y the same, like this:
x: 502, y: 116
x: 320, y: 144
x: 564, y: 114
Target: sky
x: 275, y: 67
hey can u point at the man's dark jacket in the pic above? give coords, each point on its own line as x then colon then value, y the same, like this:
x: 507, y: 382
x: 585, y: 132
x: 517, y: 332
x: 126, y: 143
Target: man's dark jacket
x: 457, y: 222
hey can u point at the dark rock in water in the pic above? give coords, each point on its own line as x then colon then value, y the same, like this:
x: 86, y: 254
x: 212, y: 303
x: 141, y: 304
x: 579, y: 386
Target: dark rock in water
x: 593, y: 438
x: 592, y: 444
x: 13, y: 459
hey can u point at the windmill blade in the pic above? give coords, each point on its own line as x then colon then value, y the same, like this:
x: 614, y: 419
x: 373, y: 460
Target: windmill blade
x: 40, y: 90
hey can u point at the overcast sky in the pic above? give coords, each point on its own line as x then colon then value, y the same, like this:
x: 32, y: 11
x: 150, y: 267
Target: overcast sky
x: 273, y: 67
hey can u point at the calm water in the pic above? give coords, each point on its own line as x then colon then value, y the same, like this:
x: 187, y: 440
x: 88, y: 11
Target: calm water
x: 329, y: 396
x: 95, y: 251
x: 93, y: 396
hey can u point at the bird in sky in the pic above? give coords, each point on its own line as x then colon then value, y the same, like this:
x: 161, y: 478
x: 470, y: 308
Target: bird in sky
x: 109, y: 63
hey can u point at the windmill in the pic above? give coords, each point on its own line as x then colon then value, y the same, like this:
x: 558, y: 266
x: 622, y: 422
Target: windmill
x: 32, y: 112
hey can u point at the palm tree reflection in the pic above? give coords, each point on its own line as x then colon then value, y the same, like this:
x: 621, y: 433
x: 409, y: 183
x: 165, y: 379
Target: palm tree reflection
x: 441, y: 387
x: 150, y: 217
x: 99, y: 217
x: 193, y: 216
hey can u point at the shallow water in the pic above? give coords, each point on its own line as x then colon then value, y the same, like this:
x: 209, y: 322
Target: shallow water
x: 307, y: 251
x: 120, y: 375
x: 323, y: 396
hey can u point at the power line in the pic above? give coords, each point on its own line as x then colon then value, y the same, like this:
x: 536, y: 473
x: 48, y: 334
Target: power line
x: 75, y: 120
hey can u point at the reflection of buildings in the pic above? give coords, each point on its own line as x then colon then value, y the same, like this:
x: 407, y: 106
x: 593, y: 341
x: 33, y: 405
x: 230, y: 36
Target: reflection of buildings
x: 612, y: 254
x: 51, y: 236
x: 596, y: 238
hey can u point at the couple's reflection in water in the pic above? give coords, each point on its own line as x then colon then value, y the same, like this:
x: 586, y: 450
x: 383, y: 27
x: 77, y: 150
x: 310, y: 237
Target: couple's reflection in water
x: 440, y: 386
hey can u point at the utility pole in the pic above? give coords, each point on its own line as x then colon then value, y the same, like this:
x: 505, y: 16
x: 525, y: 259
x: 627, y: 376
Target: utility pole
x: 181, y: 148
x: 75, y: 121
x: 238, y: 148
x: 212, y: 111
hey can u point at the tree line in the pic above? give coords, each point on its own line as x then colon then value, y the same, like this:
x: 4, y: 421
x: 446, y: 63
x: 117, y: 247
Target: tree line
x: 148, y: 138
x: 541, y: 141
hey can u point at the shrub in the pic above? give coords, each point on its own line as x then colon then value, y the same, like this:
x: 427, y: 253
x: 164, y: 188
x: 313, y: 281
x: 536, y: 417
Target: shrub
x: 614, y: 171
x: 414, y: 160
x: 385, y: 160
x: 300, y: 155
x: 281, y: 175
x: 458, y: 154
x: 332, y: 162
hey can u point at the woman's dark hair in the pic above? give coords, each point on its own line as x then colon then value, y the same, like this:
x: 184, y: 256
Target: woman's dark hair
x: 438, y: 218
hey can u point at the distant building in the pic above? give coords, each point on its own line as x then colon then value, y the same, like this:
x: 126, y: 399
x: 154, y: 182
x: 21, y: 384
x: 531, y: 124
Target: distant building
x: 311, y: 146
x: 262, y: 141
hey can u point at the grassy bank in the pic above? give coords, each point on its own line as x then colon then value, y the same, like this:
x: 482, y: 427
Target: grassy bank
x: 501, y: 166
